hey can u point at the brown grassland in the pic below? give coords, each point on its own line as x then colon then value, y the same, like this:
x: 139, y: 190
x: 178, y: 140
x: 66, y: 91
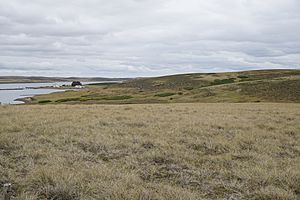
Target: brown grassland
x: 151, y: 151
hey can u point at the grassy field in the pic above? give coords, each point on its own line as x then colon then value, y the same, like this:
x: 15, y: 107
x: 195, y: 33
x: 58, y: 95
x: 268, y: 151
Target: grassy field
x: 158, y: 151
x: 249, y: 86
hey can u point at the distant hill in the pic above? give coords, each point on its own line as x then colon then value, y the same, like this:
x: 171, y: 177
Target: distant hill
x: 39, y: 79
x: 198, y: 80
x: 258, y: 85
x: 247, y: 86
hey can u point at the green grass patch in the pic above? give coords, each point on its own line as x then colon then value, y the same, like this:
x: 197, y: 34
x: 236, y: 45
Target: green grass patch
x: 188, y: 88
x: 67, y: 99
x: 243, y: 76
x: 85, y: 99
x: 44, y: 101
x: 223, y: 81
x: 121, y: 97
x: 166, y: 94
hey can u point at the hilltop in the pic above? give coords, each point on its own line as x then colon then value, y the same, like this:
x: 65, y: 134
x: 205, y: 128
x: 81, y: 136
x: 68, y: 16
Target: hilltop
x: 247, y: 86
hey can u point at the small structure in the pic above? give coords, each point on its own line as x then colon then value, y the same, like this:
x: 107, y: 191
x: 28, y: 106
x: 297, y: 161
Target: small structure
x: 79, y: 86
x: 76, y: 83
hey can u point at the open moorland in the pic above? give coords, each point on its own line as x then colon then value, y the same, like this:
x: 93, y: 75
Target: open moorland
x: 248, y: 86
x: 168, y: 138
x: 151, y: 151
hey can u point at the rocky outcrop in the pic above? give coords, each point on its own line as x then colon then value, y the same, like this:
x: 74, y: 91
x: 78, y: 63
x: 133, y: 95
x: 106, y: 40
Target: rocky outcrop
x: 75, y: 83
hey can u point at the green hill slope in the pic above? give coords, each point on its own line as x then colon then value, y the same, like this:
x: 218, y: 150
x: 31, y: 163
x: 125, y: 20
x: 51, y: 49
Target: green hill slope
x: 248, y: 86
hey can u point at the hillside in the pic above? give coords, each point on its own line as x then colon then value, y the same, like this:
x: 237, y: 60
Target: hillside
x: 40, y: 79
x: 248, y: 86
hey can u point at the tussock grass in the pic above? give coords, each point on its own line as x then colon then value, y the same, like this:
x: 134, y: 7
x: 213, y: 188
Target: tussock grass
x: 170, y: 151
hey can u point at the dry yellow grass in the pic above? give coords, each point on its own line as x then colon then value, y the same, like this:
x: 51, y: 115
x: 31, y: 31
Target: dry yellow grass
x: 170, y: 151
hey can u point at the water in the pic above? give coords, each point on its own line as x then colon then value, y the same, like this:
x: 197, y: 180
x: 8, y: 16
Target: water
x: 10, y: 92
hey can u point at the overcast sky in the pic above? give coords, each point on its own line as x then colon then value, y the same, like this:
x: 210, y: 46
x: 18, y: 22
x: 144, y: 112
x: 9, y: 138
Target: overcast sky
x: 129, y: 38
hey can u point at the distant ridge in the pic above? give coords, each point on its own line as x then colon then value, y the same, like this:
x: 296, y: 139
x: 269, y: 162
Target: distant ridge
x: 39, y: 79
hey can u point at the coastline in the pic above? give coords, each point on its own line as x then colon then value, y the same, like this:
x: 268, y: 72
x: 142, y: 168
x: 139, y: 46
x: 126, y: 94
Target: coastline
x: 21, y: 93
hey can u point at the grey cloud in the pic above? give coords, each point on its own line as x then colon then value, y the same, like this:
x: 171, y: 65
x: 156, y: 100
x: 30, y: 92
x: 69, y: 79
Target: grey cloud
x: 147, y: 37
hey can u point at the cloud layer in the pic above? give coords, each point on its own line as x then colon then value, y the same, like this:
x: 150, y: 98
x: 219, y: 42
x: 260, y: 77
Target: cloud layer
x: 121, y: 38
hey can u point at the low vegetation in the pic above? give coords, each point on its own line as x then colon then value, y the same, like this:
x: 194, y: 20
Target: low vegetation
x: 66, y: 100
x: 223, y: 81
x: 249, y: 86
x: 117, y: 97
x: 166, y: 94
x: 44, y: 101
x: 161, y: 147
x: 151, y: 151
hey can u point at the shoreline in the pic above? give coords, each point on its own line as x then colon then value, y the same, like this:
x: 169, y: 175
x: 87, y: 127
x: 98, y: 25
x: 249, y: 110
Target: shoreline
x: 26, y: 93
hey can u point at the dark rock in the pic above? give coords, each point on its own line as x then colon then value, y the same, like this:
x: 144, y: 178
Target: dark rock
x: 74, y: 83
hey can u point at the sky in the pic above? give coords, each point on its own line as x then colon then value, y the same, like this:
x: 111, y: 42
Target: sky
x: 133, y: 38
